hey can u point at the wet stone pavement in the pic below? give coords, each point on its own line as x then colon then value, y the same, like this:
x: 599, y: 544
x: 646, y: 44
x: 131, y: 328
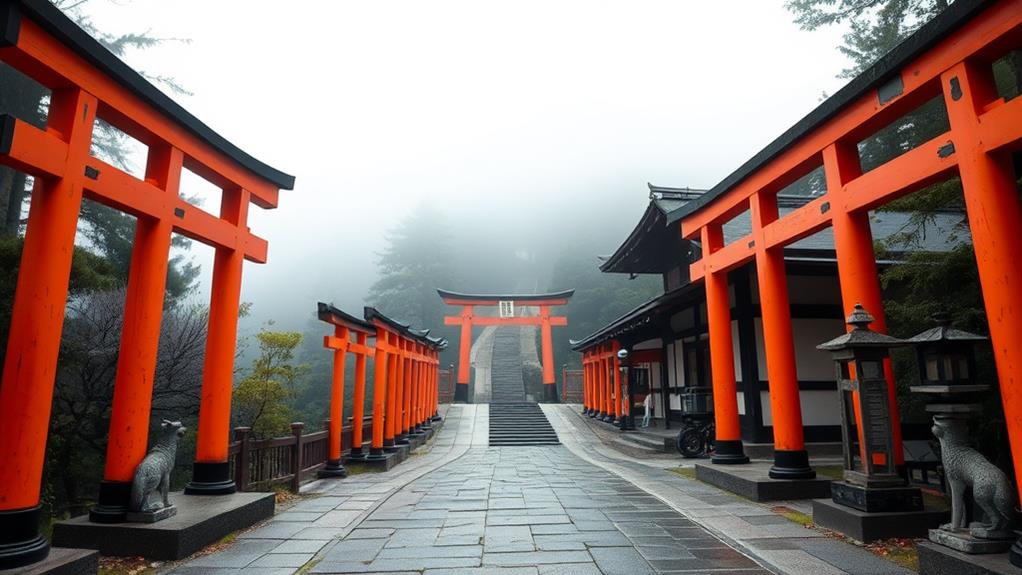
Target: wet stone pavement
x: 521, y: 511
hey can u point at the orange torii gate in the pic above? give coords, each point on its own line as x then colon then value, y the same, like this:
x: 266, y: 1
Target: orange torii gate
x: 506, y: 304
x: 949, y: 60
x: 87, y: 84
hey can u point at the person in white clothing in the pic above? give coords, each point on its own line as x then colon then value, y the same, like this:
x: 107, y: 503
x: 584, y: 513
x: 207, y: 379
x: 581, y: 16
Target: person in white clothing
x: 647, y: 405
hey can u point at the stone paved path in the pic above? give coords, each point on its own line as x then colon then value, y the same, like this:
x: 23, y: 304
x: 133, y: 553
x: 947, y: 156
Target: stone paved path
x: 527, y: 510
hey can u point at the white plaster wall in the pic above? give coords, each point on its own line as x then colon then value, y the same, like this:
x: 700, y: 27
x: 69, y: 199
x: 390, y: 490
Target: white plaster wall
x: 812, y: 363
x: 736, y: 351
x: 818, y: 408
x: 679, y: 364
x: 741, y: 402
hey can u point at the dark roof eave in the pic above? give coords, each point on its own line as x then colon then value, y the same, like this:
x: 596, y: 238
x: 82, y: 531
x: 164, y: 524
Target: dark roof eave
x: 952, y: 18
x: 505, y: 297
x: 326, y: 312
x: 649, y: 218
x: 51, y: 19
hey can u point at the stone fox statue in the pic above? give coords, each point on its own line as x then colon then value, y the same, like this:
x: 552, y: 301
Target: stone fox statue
x: 964, y: 467
x: 154, y: 471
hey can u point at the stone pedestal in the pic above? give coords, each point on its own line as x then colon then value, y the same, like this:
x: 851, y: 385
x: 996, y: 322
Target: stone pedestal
x: 753, y: 481
x: 151, y: 516
x: 200, y: 521
x: 937, y: 559
x: 867, y: 527
x: 962, y: 540
x: 877, y: 500
x: 61, y: 561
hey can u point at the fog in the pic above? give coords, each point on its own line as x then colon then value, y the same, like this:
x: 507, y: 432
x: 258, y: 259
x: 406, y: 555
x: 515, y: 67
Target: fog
x: 527, y: 124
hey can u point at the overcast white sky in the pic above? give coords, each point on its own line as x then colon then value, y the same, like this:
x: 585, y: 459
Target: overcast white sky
x: 479, y: 106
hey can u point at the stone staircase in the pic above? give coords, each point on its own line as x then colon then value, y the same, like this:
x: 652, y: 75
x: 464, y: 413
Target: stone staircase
x: 513, y: 421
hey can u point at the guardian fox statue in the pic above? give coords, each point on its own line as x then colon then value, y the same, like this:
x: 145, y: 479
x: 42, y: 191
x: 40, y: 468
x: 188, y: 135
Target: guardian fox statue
x: 966, y: 468
x: 154, y: 471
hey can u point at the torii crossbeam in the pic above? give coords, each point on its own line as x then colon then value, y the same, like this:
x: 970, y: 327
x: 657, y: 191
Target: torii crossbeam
x: 507, y: 305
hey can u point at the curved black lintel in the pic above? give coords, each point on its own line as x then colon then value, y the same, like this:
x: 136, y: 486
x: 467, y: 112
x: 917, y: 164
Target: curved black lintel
x: 422, y: 336
x: 51, y: 19
x: 330, y: 314
x: 446, y: 294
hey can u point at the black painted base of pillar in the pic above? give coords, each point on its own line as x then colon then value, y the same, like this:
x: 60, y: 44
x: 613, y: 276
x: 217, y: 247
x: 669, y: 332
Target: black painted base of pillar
x: 401, y: 439
x: 877, y: 500
x: 729, y: 452
x: 593, y: 414
x: 791, y: 465
x: 20, y: 541
x: 549, y: 393
x: 585, y: 411
x: 112, y: 504
x: 356, y: 454
x: 627, y: 423
x: 333, y: 469
x: 461, y: 393
x: 211, y: 479
x: 436, y: 417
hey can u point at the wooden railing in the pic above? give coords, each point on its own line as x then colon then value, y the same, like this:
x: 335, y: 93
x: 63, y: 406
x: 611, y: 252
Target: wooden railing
x: 262, y: 464
x: 571, y: 385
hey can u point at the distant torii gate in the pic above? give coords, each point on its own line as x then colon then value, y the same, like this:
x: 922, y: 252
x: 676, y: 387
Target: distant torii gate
x: 507, y: 304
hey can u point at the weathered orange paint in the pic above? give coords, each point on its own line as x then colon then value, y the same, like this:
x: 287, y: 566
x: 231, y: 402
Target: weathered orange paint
x: 337, y: 393
x: 393, y: 360
x: 547, y: 344
x: 358, y: 400
x: 615, y: 366
x: 218, y: 369
x: 140, y: 332
x: 379, y: 387
x: 37, y: 315
x: 995, y: 220
x: 722, y: 355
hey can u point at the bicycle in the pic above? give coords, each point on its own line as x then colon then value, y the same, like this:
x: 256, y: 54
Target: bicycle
x: 696, y: 438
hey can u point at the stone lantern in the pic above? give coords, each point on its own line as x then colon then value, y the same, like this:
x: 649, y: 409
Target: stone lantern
x: 947, y: 368
x: 859, y: 357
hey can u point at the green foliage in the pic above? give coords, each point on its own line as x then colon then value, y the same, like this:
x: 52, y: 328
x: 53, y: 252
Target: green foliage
x: 876, y: 26
x: 263, y: 398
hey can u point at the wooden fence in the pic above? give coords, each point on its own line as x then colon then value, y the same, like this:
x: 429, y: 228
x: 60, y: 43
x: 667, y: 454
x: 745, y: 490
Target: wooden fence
x: 261, y: 464
x: 571, y: 385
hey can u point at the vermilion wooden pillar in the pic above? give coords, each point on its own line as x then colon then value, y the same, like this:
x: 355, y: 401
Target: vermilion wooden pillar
x: 358, y: 401
x: 380, y: 362
x: 791, y: 461
x: 390, y: 421
x: 140, y: 341
x: 464, y: 355
x: 401, y: 393
x: 37, y: 318
x: 728, y: 448
x: 995, y: 221
x: 857, y: 270
x: 211, y: 471
x: 339, y: 343
x: 604, y: 385
x: 616, y: 382
x: 547, y: 345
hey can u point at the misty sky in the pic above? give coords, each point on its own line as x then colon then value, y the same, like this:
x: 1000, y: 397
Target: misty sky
x: 495, y: 111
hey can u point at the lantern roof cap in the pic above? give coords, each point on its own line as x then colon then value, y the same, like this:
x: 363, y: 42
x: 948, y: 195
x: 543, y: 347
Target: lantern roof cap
x: 944, y: 333
x: 861, y: 336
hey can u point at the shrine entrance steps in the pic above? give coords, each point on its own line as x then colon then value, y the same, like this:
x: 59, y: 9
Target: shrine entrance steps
x: 513, y: 420
x: 520, y: 424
